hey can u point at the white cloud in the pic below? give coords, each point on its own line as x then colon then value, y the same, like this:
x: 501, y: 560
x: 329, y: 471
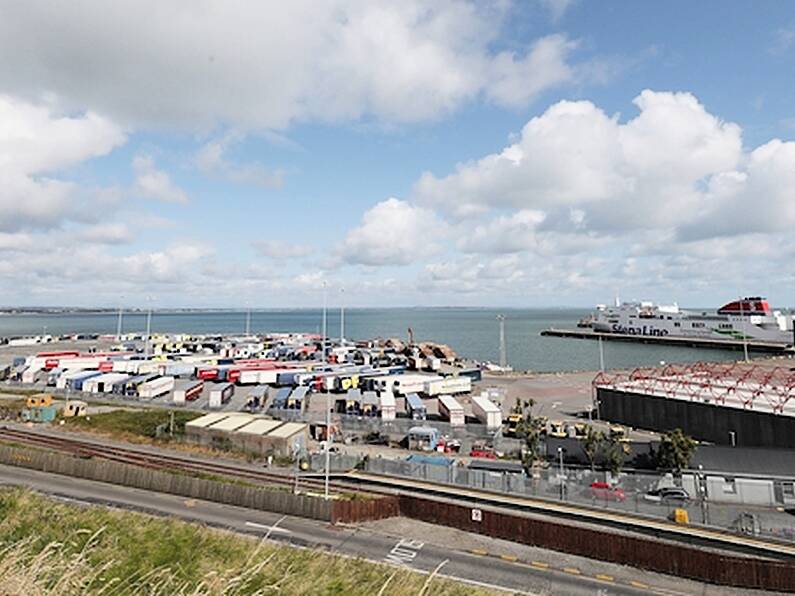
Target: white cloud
x: 36, y: 145
x: 393, y: 232
x: 211, y: 160
x: 107, y: 233
x: 644, y: 173
x: 282, y: 250
x: 153, y: 183
x: 266, y: 65
x: 505, y: 234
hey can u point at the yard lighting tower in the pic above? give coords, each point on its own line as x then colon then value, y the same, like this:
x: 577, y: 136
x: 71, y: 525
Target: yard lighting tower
x: 118, y: 323
x: 342, y: 316
x: 148, y: 326
x: 328, y: 395
x: 503, y: 356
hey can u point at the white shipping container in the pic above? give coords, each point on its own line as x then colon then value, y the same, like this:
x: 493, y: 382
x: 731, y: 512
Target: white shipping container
x: 188, y: 391
x: 449, y: 385
x: 29, y: 374
x: 103, y: 383
x: 221, y: 394
x: 156, y: 387
x: 486, y: 411
x: 406, y: 384
x: 388, y: 407
x: 450, y: 409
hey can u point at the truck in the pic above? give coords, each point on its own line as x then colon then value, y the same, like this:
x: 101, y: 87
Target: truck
x: 448, y: 386
x: 221, y: 394
x: 415, y: 409
x: 415, y: 384
x: 451, y: 410
x: 188, y: 391
x: 487, y: 412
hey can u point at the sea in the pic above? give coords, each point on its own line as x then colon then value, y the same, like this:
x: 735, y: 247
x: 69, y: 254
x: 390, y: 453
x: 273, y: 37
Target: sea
x: 471, y: 332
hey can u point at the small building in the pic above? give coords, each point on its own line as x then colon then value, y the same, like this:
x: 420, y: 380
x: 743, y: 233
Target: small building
x: 74, y: 408
x: 287, y: 439
x: 39, y: 414
x: 39, y: 400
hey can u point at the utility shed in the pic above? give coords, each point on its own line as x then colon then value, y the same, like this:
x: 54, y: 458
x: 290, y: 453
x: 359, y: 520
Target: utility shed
x: 251, y: 437
x: 288, y: 439
x: 196, y: 430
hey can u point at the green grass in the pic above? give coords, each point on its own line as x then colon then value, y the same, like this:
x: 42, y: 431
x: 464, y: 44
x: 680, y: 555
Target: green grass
x: 132, y: 423
x: 51, y: 548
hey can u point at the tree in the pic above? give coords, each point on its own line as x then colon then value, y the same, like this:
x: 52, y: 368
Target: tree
x: 614, y: 452
x: 675, y: 451
x: 528, y: 428
x: 592, y: 445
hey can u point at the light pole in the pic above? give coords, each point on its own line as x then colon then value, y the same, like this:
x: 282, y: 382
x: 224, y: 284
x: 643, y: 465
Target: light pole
x: 561, y: 477
x: 118, y: 322
x: 148, y: 325
x: 342, y: 316
x: 745, y: 335
x: 248, y: 320
x: 503, y: 355
x: 328, y: 396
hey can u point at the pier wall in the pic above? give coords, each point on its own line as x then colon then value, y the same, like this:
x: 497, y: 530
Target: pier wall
x: 705, y: 422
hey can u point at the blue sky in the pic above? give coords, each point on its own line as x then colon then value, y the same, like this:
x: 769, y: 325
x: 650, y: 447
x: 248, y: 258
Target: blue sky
x: 539, y: 153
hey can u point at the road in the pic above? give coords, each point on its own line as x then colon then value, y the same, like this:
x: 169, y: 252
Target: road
x: 477, y: 567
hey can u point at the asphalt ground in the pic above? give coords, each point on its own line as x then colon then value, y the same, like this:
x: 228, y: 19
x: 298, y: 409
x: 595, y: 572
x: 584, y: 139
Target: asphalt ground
x: 474, y: 559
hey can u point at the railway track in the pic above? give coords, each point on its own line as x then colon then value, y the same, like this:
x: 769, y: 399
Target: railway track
x: 165, y: 462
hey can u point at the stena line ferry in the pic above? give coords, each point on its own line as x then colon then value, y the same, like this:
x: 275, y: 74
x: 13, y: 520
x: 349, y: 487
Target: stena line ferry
x: 743, y: 319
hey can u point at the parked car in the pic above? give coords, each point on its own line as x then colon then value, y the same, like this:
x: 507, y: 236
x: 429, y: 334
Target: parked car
x: 607, y: 492
x: 668, y: 494
x: 481, y: 451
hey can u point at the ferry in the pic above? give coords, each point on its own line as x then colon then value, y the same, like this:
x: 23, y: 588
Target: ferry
x: 749, y: 318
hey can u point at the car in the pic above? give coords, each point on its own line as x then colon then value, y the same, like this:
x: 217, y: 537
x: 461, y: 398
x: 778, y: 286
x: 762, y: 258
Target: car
x: 667, y: 494
x: 607, y: 492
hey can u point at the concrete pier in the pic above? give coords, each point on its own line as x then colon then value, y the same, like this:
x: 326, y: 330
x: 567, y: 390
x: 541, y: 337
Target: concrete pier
x: 693, y: 342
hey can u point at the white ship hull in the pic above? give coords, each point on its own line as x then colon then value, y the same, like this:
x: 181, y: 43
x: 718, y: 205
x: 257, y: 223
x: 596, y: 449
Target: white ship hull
x: 646, y: 319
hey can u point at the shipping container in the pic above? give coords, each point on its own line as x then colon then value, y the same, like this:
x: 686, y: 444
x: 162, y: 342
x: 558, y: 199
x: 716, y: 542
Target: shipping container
x: 132, y: 384
x: 388, y: 407
x: 103, y: 383
x: 451, y: 410
x: 416, y: 384
x: 370, y: 403
x: 156, y: 387
x: 296, y: 399
x: 221, y: 394
x: 280, y: 399
x: 486, y: 411
x: 448, y: 386
x: 177, y: 369
x: 415, y: 409
x: 188, y: 391
x: 76, y: 383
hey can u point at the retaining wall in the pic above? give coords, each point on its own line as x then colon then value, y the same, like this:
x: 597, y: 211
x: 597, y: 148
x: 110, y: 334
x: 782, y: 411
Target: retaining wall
x: 176, y: 484
x: 663, y: 557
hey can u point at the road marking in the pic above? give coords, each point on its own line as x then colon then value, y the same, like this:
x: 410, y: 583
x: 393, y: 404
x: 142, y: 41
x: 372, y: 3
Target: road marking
x: 539, y: 564
x: 190, y: 503
x: 605, y: 578
x: 572, y: 570
x: 479, y: 551
x: 640, y: 585
x: 509, y: 558
x: 270, y: 529
x: 404, y: 552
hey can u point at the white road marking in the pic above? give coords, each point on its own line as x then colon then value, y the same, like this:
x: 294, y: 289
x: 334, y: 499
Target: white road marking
x: 404, y: 552
x: 270, y: 529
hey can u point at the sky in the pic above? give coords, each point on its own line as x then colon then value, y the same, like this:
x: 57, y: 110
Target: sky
x: 447, y: 153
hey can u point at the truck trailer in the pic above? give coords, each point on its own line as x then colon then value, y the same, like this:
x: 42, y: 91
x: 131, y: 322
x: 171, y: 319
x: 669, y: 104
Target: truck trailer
x: 221, y: 394
x: 487, y: 412
x: 451, y: 410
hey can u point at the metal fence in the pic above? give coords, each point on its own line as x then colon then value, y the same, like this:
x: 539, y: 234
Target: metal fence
x: 574, y: 485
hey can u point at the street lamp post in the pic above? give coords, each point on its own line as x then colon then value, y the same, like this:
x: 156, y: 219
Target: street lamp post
x: 328, y: 396
x: 342, y: 316
x: 561, y: 476
x: 503, y: 351
x: 118, y: 322
x: 148, y: 326
x: 248, y: 320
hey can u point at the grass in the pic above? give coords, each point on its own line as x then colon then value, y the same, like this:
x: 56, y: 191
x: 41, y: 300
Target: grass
x: 135, y: 423
x: 51, y: 549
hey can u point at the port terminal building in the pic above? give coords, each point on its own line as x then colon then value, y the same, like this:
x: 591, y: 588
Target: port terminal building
x: 726, y: 404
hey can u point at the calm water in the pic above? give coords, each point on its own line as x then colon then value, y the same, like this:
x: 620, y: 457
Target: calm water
x: 473, y: 333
